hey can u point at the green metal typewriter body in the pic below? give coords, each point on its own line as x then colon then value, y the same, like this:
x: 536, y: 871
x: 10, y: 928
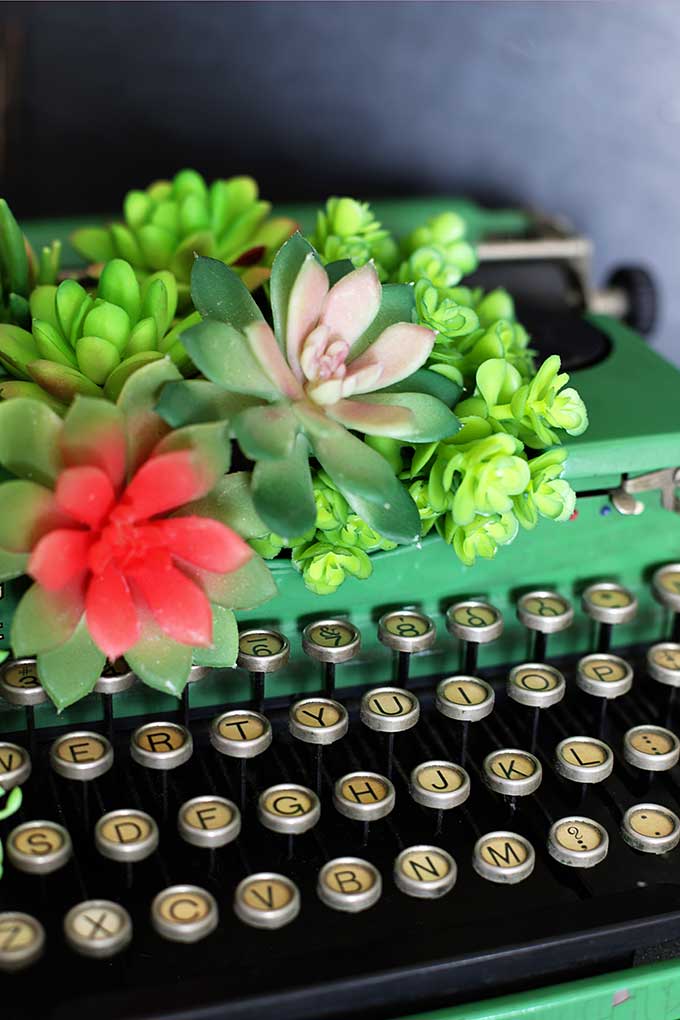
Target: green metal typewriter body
x: 407, y: 954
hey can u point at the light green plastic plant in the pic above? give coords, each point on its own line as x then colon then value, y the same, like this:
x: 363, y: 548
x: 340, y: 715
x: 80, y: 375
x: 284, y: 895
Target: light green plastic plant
x: 347, y: 229
x: 168, y: 223
x: 90, y: 344
x: 325, y: 566
x: 20, y: 270
x: 438, y: 252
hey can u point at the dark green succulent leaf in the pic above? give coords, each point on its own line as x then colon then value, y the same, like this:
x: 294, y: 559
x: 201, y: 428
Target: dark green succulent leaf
x: 17, y: 350
x: 12, y: 564
x: 120, y: 375
x: 160, y: 662
x: 425, y: 381
x: 218, y: 294
x: 209, y: 441
x: 266, y: 433
x: 283, y: 493
x: 137, y: 400
x: 29, y: 438
x: 13, y: 251
x: 224, y: 649
x: 396, y: 305
x: 230, y: 502
x: 224, y: 355
x: 285, y: 269
x: 43, y: 620
x: 192, y: 401
x: 249, y: 586
x: 70, y: 671
x: 336, y: 270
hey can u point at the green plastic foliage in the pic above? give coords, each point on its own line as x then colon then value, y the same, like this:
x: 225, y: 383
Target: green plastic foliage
x: 171, y: 221
x: 438, y: 252
x: 347, y: 229
x: 325, y: 566
x: 91, y: 344
x: 20, y: 270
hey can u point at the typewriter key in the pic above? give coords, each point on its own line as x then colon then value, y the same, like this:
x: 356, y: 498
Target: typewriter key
x: 209, y: 821
x: 39, y: 848
x: 196, y: 673
x: 15, y: 766
x: 364, y: 796
x: 425, y: 871
x: 604, y: 676
x: 578, y: 842
x: 466, y: 699
x: 161, y: 745
x: 243, y: 735
x: 651, y: 748
x: 98, y: 928
x: 538, y: 686
x: 504, y: 857
x: 666, y: 588
x: 22, y: 940
x: 475, y: 623
x: 330, y: 642
x: 651, y: 828
x: 126, y: 835
x: 406, y: 632
x: 261, y: 652
x: 349, y: 884
x: 184, y: 913
x: 512, y: 773
x: 116, y: 678
x: 440, y: 785
x: 318, y: 721
x: 389, y: 710
x: 81, y: 756
x: 289, y: 809
x: 544, y: 612
x: 609, y: 604
x: 663, y: 663
x: 583, y: 759
x: 266, y: 900
x: 19, y: 685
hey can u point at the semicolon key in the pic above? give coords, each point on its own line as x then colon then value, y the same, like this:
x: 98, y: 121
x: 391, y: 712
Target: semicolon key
x: 609, y: 604
x: 666, y: 588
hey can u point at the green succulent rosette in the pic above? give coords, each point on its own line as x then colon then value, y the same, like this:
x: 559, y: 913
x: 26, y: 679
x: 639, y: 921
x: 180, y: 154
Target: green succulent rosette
x: 168, y: 223
x: 438, y: 252
x: 21, y: 270
x: 347, y: 229
x: 89, y: 344
x: 325, y: 566
x: 341, y: 358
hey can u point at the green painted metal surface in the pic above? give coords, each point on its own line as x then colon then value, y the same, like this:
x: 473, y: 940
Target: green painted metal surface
x: 646, y: 993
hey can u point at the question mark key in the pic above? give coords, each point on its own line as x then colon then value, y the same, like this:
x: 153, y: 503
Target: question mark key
x: 578, y: 842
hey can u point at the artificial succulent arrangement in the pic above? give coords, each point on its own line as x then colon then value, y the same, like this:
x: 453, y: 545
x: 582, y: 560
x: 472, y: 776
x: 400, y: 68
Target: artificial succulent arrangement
x: 368, y: 396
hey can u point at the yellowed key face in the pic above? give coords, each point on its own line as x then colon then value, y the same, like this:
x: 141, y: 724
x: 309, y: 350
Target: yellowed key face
x: 364, y: 790
x: 38, y: 840
x: 317, y: 714
x: 16, y: 934
x: 604, y: 670
x: 648, y: 822
x: 391, y: 703
x: 583, y: 754
x: 465, y: 692
x: 425, y: 865
x: 129, y: 828
x: 12, y: 758
x: 96, y: 924
x: 267, y: 894
x: 547, y: 605
x: 535, y: 678
x: 669, y: 658
x: 475, y: 616
x: 410, y: 625
x: 79, y: 749
x: 245, y: 727
x: 21, y: 675
x: 439, y: 778
x: 578, y: 835
x: 288, y: 802
x: 512, y: 766
x: 653, y: 742
x: 161, y: 739
x: 183, y: 907
x: 349, y: 879
x: 503, y: 852
x: 262, y: 644
x: 610, y: 598
x: 670, y: 581
x: 332, y: 635
x: 209, y: 814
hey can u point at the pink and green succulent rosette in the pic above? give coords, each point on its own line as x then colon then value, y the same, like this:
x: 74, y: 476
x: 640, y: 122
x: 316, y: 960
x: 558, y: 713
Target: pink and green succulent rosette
x: 342, y: 356
x: 127, y: 530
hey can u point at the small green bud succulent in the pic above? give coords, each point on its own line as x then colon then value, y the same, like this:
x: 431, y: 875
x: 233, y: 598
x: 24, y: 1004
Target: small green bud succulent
x: 331, y: 506
x: 20, y: 270
x: 480, y: 537
x: 347, y: 229
x: 324, y: 566
x: 356, y: 533
x: 89, y: 345
x: 438, y: 252
x: 171, y: 221
x: 548, y: 494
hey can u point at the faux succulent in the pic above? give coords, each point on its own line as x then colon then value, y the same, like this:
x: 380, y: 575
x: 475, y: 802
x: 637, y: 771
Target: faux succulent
x: 125, y: 528
x: 347, y: 229
x: 12, y: 805
x: 171, y: 221
x: 90, y: 344
x: 438, y: 252
x: 343, y: 357
x: 20, y: 270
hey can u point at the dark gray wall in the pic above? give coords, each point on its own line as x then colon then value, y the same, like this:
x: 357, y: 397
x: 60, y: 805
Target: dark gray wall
x: 571, y: 106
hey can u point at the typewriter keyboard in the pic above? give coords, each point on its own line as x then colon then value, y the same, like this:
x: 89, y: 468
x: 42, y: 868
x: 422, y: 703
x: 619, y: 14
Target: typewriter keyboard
x: 374, y: 851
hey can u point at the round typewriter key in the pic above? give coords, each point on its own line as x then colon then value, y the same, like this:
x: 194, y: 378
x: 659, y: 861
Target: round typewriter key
x: 583, y: 759
x: 240, y: 734
x: 389, y: 709
x: 349, y: 884
x: 19, y: 685
x: 474, y: 623
x: 126, y: 835
x: 318, y: 720
x: 209, y: 821
x: 545, y: 611
x: 536, y: 685
x: 116, y: 678
x: 666, y: 586
x: 288, y: 808
x: 261, y: 652
x: 651, y: 828
x: 578, y: 842
x: 39, y: 848
x: 511, y: 772
x: 663, y: 663
x: 81, y: 756
x: 15, y: 766
x: 196, y: 673
x: 98, y: 928
x: 266, y: 900
x: 405, y: 632
x: 465, y: 698
x: 504, y: 857
x: 22, y: 940
x: 603, y: 675
x: 441, y: 785
x: 364, y: 796
x: 609, y: 604
x: 331, y: 642
x: 425, y: 871
x: 161, y: 745
x: 184, y: 913
x: 652, y: 748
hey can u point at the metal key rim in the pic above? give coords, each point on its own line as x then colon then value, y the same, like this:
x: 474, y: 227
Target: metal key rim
x: 464, y: 713
x: 359, y: 811
x: 26, y: 697
x: 323, y: 653
x: 319, y: 735
x: 425, y: 890
x: 289, y: 825
x: 267, y: 919
x: 651, y: 762
x: 11, y: 961
x: 603, y: 688
x: 250, y: 748
x: 609, y: 614
x: 401, y: 643
x: 535, y: 698
x: 582, y: 773
x: 386, y: 723
x: 209, y: 838
x: 503, y: 876
x: 650, y: 844
x: 84, y: 771
x: 186, y: 931
x: 544, y: 624
x: 439, y: 801
x: 582, y: 859
x: 512, y: 787
x: 40, y: 864
x: 350, y: 903
x: 98, y: 948
x: 167, y: 759
x: 126, y: 852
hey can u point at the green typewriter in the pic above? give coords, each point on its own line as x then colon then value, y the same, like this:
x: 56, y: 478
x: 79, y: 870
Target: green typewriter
x: 443, y: 791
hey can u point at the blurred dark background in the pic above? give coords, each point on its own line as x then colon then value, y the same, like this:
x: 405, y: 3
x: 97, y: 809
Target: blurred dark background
x: 570, y: 106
